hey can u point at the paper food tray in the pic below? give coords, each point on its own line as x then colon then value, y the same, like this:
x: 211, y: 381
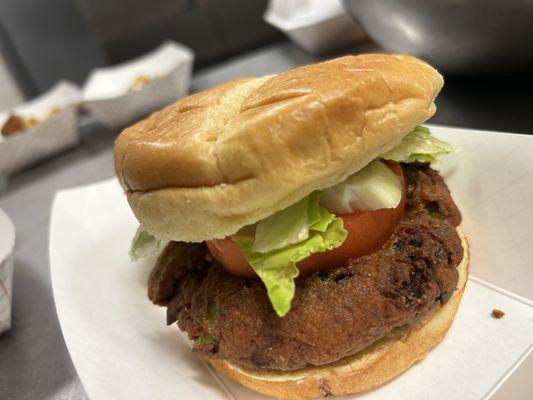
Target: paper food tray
x: 318, y: 26
x: 7, y: 243
x: 108, y: 96
x: 59, y: 132
x: 123, y: 350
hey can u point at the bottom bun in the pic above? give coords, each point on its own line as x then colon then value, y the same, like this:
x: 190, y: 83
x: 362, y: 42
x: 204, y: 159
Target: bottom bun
x: 367, y: 369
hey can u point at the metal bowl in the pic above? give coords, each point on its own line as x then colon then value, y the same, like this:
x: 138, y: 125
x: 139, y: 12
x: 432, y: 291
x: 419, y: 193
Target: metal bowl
x: 468, y: 37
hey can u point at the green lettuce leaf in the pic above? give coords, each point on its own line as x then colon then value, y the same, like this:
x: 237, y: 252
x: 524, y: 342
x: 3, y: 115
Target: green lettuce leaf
x: 286, y: 227
x: 420, y: 146
x: 277, y: 268
x: 144, y: 244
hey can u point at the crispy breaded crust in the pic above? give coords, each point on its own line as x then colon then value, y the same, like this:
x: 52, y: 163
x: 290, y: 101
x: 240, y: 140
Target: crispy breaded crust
x: 365, y: 370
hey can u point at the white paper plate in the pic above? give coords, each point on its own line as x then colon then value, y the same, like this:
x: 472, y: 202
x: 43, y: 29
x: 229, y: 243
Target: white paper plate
x: 107, y: 94
x: 122, y: 349
x: 57, y: 133
x: 7, y: 243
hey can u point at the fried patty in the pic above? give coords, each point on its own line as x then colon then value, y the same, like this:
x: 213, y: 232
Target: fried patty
x: 334, y: 314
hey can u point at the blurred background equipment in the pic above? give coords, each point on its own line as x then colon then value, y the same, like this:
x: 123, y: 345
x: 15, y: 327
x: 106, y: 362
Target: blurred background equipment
x: 10, y: 93
x: 46, y: 41
x: 318, y: 26
x: 213, y: 29
x: 457, y: 36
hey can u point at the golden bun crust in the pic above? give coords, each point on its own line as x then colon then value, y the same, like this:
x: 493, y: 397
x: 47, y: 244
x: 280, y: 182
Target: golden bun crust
x: 218, y: 160
x: 365, y: 370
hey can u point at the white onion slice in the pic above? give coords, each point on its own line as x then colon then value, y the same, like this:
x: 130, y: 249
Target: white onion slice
x: 372, y: 188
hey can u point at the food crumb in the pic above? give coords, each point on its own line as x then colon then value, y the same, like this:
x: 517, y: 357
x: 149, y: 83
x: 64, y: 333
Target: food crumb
x: 497, y: 314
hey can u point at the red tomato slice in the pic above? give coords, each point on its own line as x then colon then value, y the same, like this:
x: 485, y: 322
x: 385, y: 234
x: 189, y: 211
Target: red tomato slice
x: 367, y: 232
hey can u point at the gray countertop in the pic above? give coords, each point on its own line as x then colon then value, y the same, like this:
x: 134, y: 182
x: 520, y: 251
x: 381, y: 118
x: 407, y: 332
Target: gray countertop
x: 34, y: 361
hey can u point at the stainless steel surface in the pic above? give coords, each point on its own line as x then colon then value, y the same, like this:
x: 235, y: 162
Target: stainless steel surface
x: 458, y: 36
x: 34, y: 361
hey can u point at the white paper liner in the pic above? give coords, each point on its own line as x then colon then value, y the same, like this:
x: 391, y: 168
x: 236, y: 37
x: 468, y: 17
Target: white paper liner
x: 107, y: 93
x: 60, y: 132
x: 317, y: 26
x: 122, y: 349
x: 7, y: 242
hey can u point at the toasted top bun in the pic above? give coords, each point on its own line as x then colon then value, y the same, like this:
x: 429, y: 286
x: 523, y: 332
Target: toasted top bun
x: 218, y: 160
x: 365, y: 370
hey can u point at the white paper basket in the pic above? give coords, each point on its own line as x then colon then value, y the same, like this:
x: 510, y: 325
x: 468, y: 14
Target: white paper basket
x: 108, y: 96
x: 57, y: 133
x: 318, y: 26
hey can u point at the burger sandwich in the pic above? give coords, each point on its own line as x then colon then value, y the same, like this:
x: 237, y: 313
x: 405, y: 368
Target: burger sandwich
x: 306, y: 245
